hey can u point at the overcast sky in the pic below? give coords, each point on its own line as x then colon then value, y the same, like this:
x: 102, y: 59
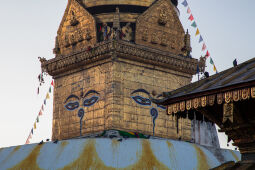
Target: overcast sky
x: 28, y: 29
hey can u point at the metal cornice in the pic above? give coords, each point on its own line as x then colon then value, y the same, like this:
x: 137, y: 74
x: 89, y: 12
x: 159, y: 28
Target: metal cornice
x: 123, y: 49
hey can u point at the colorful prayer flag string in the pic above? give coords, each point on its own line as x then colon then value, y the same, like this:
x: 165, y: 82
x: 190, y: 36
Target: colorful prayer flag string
x: 194, y: 25
x: 39, y: 114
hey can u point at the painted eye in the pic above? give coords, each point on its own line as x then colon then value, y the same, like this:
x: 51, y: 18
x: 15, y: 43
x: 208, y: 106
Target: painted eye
x: 90, y: 101
x: 72, y: 105
x: 161, y: 107
x: 142, y: 100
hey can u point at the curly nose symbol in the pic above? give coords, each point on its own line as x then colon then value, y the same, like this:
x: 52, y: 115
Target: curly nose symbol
x: 81, y: 115
x: 154, y: 115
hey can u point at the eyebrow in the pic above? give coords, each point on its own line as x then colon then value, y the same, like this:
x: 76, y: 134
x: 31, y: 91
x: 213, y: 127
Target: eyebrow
x: 140, y: 90
x: 89, y: 92
x: 72, y: 96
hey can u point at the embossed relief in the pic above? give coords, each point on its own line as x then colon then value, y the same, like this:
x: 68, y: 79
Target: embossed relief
x: 77, y: 29
x: 160, y: 27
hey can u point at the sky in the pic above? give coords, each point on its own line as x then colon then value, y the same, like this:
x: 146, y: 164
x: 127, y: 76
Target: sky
x: 28, y: 29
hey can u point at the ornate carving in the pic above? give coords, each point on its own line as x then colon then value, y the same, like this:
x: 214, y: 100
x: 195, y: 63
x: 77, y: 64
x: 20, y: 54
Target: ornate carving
x: 245, y: 94
x: 228, y: 97
x: 73, y: 40
x: 253, y: 92
x: 236, y: 95
x: 145, y: 35
x: 76, y: 26
x: 219, y: 98
x: 79, y: 36
x: 105, y: 33
x: 73, y: 21
x: 149, y: 30
x: 88, y: 35
x: 211, y: 100
x: 178, y: 63
x: 187, y: 47
x: 162, y: 16
x: 201, y: 64
x: 164, y: 39
x: 189, y: 104
x: 127, y: 33
x: 228, y: 112
x: 154, y: 37
x: 203, y: 101
x: 182, y: 106
x: 67, y: 42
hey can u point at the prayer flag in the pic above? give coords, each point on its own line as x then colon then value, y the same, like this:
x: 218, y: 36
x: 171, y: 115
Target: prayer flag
x: 191, y: 18
x: 185, y: 3
x: 42, y: 108
x: 188, y: 10
x: 50, y: 90
x: 30, y: 136
x: 207, y: 54
x: 38, y: 90
x: 211, y: 61
x: 197, y: 32
x: 214, y: 68
x: 47, y: 96
x: 44, y: 101
x: 35, y: 125
x: 37, y: 119
x: 27, y: 141
x: 40, y: 113
x: 200, y: 39
x: 204, y: 47
x: 194, y: 24
x: 52, y: 82
x: 32, y: 131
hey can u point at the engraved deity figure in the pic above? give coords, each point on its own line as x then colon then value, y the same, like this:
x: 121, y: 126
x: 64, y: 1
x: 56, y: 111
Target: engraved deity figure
x: 127, y: 32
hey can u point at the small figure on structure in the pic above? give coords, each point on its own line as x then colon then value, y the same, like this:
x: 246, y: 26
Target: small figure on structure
x: 105, y: 32
x: 127, y: 32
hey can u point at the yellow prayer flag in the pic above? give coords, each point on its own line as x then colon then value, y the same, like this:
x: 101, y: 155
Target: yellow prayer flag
x: 214, y: 68
x: 35, y: 125
x: 47, y: 96
x: 197, y: 33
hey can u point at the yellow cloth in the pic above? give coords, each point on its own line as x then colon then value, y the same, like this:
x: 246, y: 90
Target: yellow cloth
x: 197, y: 33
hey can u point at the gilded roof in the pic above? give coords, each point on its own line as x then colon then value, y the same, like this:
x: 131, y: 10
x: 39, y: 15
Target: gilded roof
x: 233, y: 78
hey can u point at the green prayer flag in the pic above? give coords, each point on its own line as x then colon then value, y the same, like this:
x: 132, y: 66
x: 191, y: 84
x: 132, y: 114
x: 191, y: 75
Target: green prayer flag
x: 211, y: 61
x: 37, y: 119
x: 194, y: 24
x: 50, y: 90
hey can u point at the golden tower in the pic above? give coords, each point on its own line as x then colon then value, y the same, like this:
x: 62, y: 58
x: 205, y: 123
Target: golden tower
x: 112, y: 57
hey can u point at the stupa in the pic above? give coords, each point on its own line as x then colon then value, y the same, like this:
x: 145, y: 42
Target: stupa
x: 111, y: 58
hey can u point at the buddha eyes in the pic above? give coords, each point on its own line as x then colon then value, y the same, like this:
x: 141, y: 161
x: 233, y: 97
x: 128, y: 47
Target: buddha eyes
x: 145, y: 101
x: 90, y: 101
x: 142, y: 100
x: 72, y: 105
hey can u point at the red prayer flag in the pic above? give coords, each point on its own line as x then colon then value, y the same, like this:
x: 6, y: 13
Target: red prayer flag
x: 188, y: 10
x: 52, y: 82
x: 207, y: 54
x: 191, y: 18
x: 204, y: 47
x: 40, y: 113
